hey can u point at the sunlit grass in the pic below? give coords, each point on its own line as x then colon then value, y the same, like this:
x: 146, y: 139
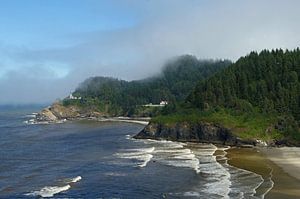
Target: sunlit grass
x: 244, y: 125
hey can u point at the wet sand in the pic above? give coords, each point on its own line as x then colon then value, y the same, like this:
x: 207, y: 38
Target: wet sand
x: 286, y: 186
x: 288, y: 158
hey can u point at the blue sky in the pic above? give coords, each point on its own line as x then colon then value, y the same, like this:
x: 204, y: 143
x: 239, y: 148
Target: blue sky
x: 43, y: 23
x: 47, y: 47
x: 36, y: 24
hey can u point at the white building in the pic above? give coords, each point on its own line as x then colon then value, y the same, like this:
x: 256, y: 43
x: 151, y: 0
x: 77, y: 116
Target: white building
x: 73, y: 97
x: 163, y: 103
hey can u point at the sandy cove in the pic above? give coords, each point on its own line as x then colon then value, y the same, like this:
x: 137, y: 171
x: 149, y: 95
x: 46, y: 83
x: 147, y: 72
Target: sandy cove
x: 280, y: 165
x: 288, y: 158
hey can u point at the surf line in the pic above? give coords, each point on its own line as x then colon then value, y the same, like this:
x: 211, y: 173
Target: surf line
x: 50, y: 191
x: 262, y: 179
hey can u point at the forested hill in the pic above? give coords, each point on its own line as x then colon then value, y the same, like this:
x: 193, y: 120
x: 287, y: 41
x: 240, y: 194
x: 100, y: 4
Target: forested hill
x: 175, y: 82
x: 268, y: 80
x: 255, y: 98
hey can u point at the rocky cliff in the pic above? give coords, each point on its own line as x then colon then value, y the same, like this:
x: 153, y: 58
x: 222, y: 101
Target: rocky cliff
x: 57, y: 112
x: 193, y: 132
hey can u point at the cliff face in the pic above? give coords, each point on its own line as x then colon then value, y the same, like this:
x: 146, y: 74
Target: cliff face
x: 57, y: 112
x: 198, y: 132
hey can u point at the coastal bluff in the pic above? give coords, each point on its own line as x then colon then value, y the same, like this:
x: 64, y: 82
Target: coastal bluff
x: 57, y: 112
x: 193, y: 132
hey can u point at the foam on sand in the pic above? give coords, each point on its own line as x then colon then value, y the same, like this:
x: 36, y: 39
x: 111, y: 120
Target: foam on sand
x: 120, y: 119
x: 215, y: 179
x: 218, y: 178
x: 245, y: 183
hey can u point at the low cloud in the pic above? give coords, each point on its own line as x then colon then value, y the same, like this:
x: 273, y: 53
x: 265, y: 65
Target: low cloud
x: 207, y: 29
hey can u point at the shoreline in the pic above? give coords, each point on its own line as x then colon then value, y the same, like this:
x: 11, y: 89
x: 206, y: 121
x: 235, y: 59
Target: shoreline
x: 288, y: 158
x: 255, y: 160
x: 137, y: 120
x: 278, y: 167
x: 127, y: 120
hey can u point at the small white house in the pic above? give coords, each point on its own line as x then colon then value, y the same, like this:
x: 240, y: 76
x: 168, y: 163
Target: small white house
x: 73, y: 97
x: 163, y: 103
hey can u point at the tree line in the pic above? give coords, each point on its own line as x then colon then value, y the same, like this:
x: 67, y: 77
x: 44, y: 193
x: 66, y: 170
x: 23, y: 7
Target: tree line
x: 268, y: 81
x: 178, y: 77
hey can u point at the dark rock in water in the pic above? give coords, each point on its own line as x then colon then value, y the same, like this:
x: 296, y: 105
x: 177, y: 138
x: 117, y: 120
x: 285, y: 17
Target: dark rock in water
x: 192, y: 132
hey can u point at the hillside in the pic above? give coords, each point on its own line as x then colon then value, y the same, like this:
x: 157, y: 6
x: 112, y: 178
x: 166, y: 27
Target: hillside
x: 257, y: 97
x: 119, y: 97
x: 268, y: 80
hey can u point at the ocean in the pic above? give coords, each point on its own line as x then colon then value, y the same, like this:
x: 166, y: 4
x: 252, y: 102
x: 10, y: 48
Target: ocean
x: 88, y: 159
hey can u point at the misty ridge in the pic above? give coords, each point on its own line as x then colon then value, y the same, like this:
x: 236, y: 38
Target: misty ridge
x: 185, y: 70
x: 176, y: 80
x: 256, y: 97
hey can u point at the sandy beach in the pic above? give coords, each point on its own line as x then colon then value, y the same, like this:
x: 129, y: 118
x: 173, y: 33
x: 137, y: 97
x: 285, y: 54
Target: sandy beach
x: 278, y: 167
x: 288, y: 158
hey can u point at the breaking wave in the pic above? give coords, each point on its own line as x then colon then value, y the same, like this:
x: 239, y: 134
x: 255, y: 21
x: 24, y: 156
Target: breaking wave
x: 50, y: 191
x: 142, y: 155
x: 219, y: 178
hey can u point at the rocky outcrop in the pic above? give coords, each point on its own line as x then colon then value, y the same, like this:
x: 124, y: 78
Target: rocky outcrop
x: 57, y: 112
x: 192, y: 132
x: 46, y: 115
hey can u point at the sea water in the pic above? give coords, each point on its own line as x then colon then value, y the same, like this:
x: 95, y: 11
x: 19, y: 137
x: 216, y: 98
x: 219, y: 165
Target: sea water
x: 101, y: 160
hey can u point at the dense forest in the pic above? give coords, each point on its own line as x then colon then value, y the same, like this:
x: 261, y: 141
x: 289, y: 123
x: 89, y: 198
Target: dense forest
x: 258, y: 96
x: 268, y: 80
x: 119, y: 97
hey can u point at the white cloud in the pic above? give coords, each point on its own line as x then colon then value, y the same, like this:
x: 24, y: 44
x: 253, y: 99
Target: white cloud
x: 207, y: 29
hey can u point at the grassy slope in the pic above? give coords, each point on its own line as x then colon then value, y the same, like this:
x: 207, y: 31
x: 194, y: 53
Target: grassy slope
x: 244, y: 125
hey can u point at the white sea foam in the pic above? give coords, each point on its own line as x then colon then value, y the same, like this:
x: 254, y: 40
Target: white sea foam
x: 143, y: 155
x: 271, y: 182
x: 30, y: 116
x: 173, y: 154
x: 115, y: 174
x: 179, y: 158
x: 215, y: 179
x: 35, y: 122
x: 244, y: 182
x: 128, y: 137
x: 146, y: 159
x: 220, y: 180
x: 76, y: 179
x: 49, y: 191
x: 192, y: 194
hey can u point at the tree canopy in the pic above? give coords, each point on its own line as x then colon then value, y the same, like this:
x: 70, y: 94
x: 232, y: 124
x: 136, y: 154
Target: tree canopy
x: 268, y: 80
x: 177, y: 79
